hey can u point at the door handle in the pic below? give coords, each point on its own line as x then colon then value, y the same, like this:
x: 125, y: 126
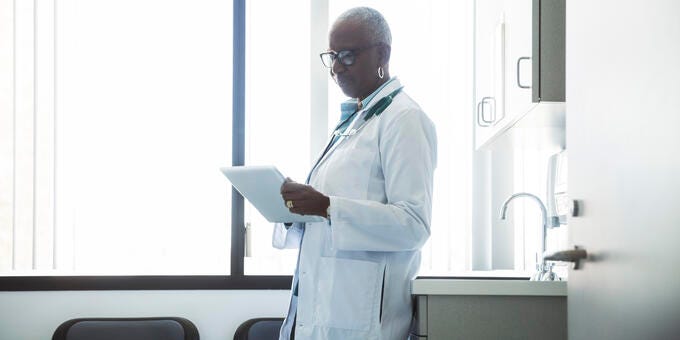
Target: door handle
x: 575, y: 255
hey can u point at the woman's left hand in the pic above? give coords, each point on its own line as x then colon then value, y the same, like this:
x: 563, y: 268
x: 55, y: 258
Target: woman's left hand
x: 304, y: 199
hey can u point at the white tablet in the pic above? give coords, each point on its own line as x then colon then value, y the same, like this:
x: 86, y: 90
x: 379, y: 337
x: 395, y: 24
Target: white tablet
x: 261, y: 186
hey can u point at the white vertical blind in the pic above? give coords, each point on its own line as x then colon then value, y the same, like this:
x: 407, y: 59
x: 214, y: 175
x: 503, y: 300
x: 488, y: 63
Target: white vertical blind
x: 6, y: 134
x: 44, y: 246
x: 24, y: 136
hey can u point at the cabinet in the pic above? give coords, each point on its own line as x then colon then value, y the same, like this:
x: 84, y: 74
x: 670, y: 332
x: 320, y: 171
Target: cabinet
x: 519, y: 61
x: 489, y: 67
x: 489, y: 309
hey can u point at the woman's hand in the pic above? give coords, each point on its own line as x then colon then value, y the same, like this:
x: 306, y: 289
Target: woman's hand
x: 304, y: 199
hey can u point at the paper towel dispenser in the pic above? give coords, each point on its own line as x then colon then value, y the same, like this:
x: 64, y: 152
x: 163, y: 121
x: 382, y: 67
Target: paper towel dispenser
x: 558, y: 203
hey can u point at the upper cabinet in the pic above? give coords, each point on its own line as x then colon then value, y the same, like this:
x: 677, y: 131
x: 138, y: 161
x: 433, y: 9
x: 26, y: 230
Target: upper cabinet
x: 519, y: 62
x: 489, y: 90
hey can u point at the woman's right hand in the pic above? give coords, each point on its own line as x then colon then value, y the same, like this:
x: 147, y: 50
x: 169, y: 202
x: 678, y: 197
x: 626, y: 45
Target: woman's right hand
x: 303, y: 199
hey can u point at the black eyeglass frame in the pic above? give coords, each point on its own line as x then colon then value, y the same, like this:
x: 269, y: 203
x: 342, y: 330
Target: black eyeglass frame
x: 343, y: 54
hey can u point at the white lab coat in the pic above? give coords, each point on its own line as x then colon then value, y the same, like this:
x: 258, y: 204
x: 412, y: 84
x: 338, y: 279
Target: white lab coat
x: 355, y: 272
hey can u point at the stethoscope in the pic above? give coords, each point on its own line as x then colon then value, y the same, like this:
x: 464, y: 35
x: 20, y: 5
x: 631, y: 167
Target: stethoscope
x: 374, y: 111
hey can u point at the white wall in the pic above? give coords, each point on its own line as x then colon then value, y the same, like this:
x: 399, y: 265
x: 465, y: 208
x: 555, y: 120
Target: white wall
x: 216, y: 313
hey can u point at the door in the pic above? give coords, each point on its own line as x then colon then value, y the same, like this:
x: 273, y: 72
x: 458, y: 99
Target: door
x: 623, y: 117
x: 489, y: 56
x: 518, y: 64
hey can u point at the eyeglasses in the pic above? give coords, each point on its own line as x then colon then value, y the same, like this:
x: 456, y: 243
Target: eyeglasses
x: 346, y: 57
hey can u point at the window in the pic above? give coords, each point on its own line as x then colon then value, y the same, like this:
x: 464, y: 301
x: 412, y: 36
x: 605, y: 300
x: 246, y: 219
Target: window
x: 116, y: 117
x: 111, y: 152
x: 530, y: 162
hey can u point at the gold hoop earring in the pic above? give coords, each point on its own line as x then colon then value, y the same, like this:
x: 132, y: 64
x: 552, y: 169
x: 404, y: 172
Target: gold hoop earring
x: 381, y: 73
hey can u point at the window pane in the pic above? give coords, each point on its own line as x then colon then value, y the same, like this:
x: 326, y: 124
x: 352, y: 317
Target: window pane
x: 277, y: 113
x: 142, y: 124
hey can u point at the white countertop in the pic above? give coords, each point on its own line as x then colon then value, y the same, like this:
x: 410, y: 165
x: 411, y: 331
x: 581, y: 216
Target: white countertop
x: 453, y: 286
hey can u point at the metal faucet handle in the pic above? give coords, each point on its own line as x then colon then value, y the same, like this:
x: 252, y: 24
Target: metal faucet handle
x: 554, y: 222
x: 544, y: 272
x: 549, y: 275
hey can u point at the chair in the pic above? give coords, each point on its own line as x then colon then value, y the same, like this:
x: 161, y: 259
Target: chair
x: 259, y: 329
x: 158, y: 328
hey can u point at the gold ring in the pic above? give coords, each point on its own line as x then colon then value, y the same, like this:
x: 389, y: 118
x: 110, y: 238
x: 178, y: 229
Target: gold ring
x: 289, y: 204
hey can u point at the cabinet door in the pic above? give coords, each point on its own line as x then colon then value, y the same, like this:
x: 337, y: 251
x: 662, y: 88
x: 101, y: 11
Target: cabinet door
x: 488, y: 93
x: 622, y: 135
x: 518, y: 44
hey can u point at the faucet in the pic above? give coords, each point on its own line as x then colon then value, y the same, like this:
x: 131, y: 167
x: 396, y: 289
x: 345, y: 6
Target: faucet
x: 543, y: 271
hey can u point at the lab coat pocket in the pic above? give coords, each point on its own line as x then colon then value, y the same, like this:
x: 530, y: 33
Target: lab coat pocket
x: 348, y: 293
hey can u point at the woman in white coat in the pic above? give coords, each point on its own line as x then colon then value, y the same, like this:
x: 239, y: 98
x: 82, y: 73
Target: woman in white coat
x: 373, y: 183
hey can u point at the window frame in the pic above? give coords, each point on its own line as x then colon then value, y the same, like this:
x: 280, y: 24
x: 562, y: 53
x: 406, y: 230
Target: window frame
x: 236, y: 279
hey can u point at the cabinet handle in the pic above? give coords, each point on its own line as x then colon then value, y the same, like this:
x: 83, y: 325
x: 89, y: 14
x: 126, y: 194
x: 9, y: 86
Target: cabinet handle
x: 575, y: 255
x: 481, y: 120
x: 518, y: 64
x: 479, y: 113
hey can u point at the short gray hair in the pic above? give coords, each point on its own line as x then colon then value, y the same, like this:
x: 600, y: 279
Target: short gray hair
x: 379, y: 30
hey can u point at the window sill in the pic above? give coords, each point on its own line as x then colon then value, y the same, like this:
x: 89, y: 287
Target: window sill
x: 55, y: 283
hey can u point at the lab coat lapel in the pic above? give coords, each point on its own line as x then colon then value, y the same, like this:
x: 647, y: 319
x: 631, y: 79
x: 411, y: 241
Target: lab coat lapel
x: 341, y: 139
x: 393, y: 85
x: 324, y: 155
x: 359, y: 121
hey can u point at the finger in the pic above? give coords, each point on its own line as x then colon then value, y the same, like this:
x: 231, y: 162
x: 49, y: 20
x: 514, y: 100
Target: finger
x: 285, y: 187
x: 286, y: 182
x: 305, y: 208
x: 300, y: 210
x: 297, y: 211
x: 304, y: 201
x: 294, y: 185
x: 291, y: 198
x: 296, y: 196
x: 306, y: 194
x: 291, y: 188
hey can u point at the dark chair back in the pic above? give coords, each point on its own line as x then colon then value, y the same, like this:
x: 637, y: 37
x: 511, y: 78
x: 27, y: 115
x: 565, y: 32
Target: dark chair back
x: 259, y: 329
x: 158, y: 328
